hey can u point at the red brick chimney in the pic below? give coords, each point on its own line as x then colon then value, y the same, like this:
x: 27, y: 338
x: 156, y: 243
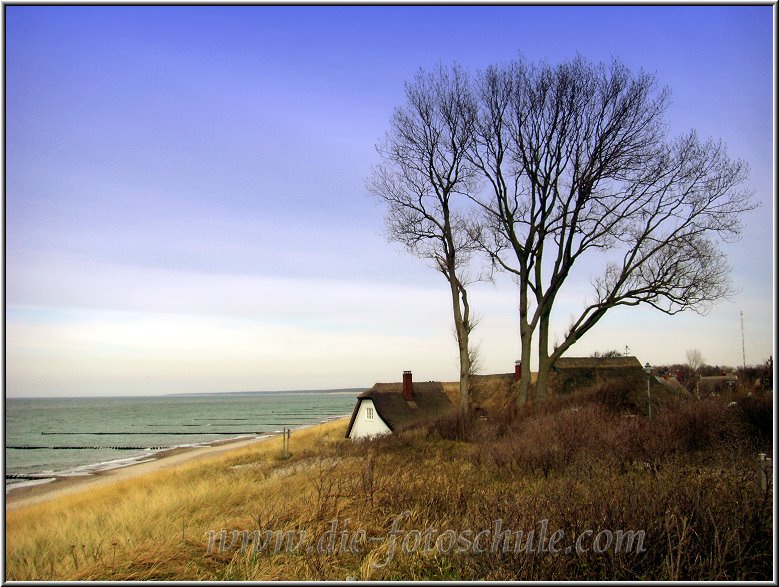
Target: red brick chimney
x: 408, y: 387
x: 517, y: 370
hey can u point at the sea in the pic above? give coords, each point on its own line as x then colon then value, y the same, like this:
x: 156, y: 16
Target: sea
x: 48, y: 437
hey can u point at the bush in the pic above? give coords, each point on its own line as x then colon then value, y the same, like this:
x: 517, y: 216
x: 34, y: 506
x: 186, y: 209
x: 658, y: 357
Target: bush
x: 455, y: 426
x: 756, y: 415
x: 687, y: 480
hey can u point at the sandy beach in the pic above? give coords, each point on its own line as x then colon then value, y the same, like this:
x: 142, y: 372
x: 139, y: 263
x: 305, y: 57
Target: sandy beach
x: 34, y: 494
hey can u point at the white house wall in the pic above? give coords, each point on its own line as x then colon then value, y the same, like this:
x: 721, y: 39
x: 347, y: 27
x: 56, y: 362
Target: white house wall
x: 363, y: 427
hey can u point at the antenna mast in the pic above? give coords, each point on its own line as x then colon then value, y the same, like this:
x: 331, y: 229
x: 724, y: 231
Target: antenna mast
x: 743, y: 354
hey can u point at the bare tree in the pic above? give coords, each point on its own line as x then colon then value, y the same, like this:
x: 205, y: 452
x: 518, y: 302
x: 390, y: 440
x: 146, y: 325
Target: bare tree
x: 607, y: 354
x: 694, y: 359
x: 578, y: 167
x: 424, y: 170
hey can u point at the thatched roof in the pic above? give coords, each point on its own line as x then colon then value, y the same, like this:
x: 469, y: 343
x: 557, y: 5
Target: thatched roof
x: 494, y: 393
x: 491, y: 392
x: 672, y: 383
x: 435, y: 399
x: 597, y: 363
x: 718, y: 378
x: 713, y: 383
x: 430, y: 401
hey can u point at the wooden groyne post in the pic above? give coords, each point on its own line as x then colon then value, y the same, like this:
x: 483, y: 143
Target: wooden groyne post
x: 286, y: 433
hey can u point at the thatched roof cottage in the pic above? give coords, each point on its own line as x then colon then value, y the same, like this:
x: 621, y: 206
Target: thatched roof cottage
x: 716, y: 384
x: 388, y: 407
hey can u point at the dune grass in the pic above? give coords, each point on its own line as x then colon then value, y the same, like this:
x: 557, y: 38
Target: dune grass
x: 688, y: 480
x: 149, y: 527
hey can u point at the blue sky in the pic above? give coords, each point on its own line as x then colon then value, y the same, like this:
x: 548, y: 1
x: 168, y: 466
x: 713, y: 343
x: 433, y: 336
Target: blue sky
x: 185, y: 190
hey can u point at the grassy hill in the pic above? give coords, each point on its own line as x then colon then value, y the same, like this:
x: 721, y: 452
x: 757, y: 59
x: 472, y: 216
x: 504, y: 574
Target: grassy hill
x: 606, y: 496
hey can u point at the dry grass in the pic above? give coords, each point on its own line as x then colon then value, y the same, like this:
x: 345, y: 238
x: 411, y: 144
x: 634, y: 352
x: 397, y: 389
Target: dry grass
x: 688, y: 479
x: 151, y: 527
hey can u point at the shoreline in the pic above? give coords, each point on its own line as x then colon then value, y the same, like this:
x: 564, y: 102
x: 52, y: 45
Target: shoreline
x: 29, y: 495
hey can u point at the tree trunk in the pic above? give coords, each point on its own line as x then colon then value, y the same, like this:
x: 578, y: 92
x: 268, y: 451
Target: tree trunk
x: 526, y: 339
x: 461, y: 316
x: 542, y: 382
x: 544, y: 364
x: 525, y: 374
x: 465, y: 375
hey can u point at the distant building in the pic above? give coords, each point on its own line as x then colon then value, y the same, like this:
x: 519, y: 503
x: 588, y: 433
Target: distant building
x: 673, y: 383
x: 716, y: 384
x: 571, y: 374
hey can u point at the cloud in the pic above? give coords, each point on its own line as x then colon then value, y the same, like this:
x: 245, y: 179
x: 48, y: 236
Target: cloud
x: 77, y: 327
x: 73, y: 283
x: 85, y: 352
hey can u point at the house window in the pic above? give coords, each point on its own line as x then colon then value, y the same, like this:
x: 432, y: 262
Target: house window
x: 369, y: 413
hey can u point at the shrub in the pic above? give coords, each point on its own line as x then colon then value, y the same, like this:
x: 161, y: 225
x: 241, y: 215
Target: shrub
x: 756, y: 415
x: 454, y: 426
x: 687, y: 480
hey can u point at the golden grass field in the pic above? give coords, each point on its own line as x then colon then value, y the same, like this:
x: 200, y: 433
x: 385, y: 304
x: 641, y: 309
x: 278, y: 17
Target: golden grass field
x: 688, y: 479
x: 154, y: 526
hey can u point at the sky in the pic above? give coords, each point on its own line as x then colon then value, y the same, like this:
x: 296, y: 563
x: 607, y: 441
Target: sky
x: 185, y: 200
